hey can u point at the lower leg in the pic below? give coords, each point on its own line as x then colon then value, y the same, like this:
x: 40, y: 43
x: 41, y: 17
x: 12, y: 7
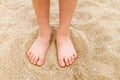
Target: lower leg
x: 67, y: 8
x: 38, y: 49
x: 66, y: 50
x: 41, y: 8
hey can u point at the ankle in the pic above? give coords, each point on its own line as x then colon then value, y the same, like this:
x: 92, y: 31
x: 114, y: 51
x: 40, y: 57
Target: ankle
x: 62, y: 33
x: 45, y: 32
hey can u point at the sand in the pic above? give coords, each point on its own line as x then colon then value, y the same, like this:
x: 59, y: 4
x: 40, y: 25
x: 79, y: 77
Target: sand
x: 95, y: 32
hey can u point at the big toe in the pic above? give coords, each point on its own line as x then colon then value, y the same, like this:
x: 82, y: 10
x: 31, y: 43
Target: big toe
x: 40, y: 62
x: 61, y: 62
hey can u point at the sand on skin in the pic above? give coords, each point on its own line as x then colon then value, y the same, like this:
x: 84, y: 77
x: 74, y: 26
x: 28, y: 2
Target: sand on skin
x: 95, y: 32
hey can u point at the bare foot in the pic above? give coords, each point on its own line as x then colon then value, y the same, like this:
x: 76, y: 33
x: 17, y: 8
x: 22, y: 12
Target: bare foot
x: 66, y: 51
x: 39, y: 48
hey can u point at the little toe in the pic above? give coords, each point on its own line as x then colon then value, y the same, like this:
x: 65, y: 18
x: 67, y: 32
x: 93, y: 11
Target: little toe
x: 40, y: 62
x: 30, y: 56
x: 28, y: 53
x: 61, y: 62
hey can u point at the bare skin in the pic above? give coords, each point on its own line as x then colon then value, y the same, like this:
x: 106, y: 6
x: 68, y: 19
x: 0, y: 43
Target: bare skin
x: 38, y: 50
x: 66, y: 51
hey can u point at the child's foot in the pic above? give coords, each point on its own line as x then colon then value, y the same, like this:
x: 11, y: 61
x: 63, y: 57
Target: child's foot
x: 39, y: 48
x: 66, y: 51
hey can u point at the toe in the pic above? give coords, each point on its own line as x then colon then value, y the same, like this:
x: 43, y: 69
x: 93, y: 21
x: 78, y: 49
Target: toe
x: 75, y: 55
x: 67, y: 61
x: 40, y: 62
x: 35, y: 60
x: 61, y: 62
x: 32, y: 59
x: 30, y: 56
x: 73, y: 59
x: 28, y: 53
x: 70, y: 60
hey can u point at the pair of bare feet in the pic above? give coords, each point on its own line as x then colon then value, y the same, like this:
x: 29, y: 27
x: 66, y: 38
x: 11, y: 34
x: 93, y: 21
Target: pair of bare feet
x: 66, y: 51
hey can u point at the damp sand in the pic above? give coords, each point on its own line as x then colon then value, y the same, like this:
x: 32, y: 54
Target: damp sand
x: 95, y: 32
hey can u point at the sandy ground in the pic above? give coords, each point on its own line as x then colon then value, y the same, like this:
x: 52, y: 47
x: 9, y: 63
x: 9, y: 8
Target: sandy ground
x: 95, y: 32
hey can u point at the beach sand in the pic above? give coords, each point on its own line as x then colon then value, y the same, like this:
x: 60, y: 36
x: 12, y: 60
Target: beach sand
x: 95, y: 32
